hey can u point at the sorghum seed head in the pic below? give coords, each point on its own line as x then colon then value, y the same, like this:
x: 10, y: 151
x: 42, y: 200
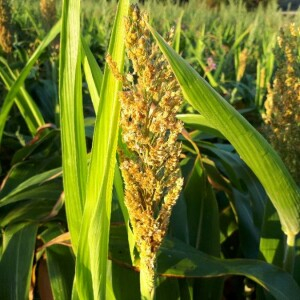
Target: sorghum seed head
x: 282, y: 106
x: 150, y: 129
x: 6, y: 34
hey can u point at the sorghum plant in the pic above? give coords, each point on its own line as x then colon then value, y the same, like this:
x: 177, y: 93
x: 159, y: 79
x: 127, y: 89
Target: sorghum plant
x: 282, y: 118
x: 5, y: 26
x: 149, y: 102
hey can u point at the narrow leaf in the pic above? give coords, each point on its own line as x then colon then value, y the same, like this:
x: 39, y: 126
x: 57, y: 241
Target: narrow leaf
x: 93, y: 245
x: 27, y: 186
x: 119, y: 188
x: 25, y: 103
x: 92, y: 73
x: 74, y: 157
x: 199, y: 122
x: 14, y: 90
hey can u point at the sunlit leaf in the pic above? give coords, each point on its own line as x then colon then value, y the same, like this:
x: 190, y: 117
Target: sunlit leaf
x: 251, y: 146
x: 91, y: 262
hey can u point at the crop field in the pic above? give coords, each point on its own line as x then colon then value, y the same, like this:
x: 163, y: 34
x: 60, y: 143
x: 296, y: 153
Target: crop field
x: 149, y: 151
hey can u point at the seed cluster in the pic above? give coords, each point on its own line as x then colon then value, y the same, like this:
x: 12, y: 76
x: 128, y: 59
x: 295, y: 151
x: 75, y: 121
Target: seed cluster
x: 243, y: 57
x: 282, y: 116
x: 149, y: 102
x: 48, y: 12
x: 6, y: 36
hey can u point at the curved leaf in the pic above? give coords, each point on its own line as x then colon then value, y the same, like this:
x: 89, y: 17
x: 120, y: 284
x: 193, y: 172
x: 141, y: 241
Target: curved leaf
x: 199, y: 122
x: 177, y: 259
x: 25, y: 103
x: 15, y: 88
x: 31, y: 187
x: 251, y: 146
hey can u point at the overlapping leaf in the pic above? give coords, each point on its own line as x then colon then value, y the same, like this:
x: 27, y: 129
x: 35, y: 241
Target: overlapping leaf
x: 94, y: 236
x: 15, y: 88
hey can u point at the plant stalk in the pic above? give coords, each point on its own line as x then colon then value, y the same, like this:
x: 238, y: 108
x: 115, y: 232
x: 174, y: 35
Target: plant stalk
x: 289, y: 255
x: 147, y: 281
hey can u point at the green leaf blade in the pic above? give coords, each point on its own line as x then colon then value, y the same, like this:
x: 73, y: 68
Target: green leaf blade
x: 60, y: 264
x: 72, y: 122
x: 92, y: 256
x: 92, y: 72
x: 25, y: 103
x: 179, y: 260
x: 16, y: 261
x: 251, y: 146
x: 15, y: 88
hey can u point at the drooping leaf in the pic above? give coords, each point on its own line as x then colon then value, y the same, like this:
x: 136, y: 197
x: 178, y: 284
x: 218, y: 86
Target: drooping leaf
x: 32, y: 187
x: 179, y: 260
x: 49, y: 141
x: 31, y: 210
x: 251, y: 146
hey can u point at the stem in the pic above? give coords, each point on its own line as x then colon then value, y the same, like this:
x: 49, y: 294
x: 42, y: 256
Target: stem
x: 289, y: 255
x: 147, y: 280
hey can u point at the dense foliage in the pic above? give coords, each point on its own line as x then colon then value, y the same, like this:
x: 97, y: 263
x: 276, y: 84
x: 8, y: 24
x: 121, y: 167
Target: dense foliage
x: 233, y: 233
